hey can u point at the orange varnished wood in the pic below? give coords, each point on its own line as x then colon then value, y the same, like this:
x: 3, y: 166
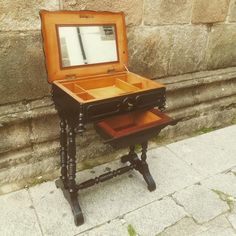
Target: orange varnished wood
x: 88, y: 83
x: 106, y: 86
x: 52, y: 53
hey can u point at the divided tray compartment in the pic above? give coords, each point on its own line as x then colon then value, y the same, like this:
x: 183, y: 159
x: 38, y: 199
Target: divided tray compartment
x: 107, y: 86
x: 132, y: 128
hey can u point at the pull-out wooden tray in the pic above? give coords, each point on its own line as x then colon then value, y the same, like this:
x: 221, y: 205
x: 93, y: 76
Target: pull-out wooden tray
x: 132, y: 128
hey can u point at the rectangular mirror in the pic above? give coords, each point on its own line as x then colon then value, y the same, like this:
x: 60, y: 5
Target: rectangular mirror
x: 86, y: 45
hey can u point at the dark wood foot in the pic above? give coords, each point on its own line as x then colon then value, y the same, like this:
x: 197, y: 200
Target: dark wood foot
x: 141, y: 165
x: 147, y: 177
x: 72, y: 199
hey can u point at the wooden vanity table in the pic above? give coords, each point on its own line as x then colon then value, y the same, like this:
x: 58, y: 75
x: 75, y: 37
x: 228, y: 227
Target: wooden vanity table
x: 86, y: 58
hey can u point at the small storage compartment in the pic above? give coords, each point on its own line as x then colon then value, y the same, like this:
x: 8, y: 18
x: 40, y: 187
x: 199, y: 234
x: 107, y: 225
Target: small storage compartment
x: 132, y: 128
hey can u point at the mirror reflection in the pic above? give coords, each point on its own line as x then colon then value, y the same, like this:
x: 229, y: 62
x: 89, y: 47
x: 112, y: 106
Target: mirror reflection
x: 81, y: 45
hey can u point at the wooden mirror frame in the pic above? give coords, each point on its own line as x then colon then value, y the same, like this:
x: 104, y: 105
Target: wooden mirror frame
x: 50, y: 20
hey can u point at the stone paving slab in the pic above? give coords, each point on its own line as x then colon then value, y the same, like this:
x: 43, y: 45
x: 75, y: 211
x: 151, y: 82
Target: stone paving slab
x: 218, y: 232
x: 126, y: 193
x: 232, y: 220
x: 225, y: 183
x: 155, y: 217
x: 209, y: 153
x: 187, y: 227
x: 17, y: 215
x: 113, y: 228
x: 201, y: 203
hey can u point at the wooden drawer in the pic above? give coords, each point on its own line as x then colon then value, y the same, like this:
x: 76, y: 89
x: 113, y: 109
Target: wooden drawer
x: 132, y: 128
x: 99, y: 110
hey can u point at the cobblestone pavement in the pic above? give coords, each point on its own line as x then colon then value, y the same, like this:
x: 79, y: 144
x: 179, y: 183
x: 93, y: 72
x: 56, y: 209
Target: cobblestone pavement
x: 195, y: 195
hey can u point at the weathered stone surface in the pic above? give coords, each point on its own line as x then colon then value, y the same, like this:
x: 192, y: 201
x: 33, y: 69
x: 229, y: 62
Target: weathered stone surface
x: 113, y: 228
x: 170, y: 173
x: 232, y: 11
x: 188, y: 51
x: 14, y: 136
x: 221, y: 51
x: 28, y: 163
x: 186, y: 227
x: 201, y: 203
x: 23, y: 15
x: 209, y: 153
x: 17, y: 215
x: 156, y: 52
x: 225, y: 183
x: 232, y: 220
x: 209, y: 11
x: 149, y: 50
x: 22, y: 67
x: 45, y: 128
x: 167, y: 12
x: 218, y: 232
x: 133, y: 9
x: 155, y: 217
x: 199, y: 88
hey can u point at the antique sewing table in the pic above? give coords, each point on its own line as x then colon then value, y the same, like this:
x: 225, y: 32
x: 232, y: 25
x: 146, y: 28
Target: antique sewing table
x: 86, y: 58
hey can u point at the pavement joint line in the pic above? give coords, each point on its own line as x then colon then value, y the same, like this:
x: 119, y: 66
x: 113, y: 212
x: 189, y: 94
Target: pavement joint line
x: 230, y: 223
x: 176, y: 155
x: 37, y: 217
x: 180, y: 205
x: 100, y: 225
x: 167, y: 227
x: 118, y: 217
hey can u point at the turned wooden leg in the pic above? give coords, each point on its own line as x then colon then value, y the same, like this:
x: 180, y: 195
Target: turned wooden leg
x: 63, y: 150
x: 69, y: 167
x: 145, y: 170
x: 73, y: 198
x: 130, y: 155
x: 71, y: 159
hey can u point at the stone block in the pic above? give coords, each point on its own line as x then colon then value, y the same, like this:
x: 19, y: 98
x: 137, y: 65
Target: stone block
x: 225, y: 183
x: 209, y: 11
x: 186, y: 227
x: 18, y: 216
x: 209, y: 153
x: 45, y: 128
x: 188, y: 51
x: 221, y: 51
x: 23, y: 75
x: 14, y: 136
x: 201, y: 203
x: 155, y: 217
x: 133, y: 9
x: 149, y: 50
x: 232, y: 11
x: 23, y: 15
x: 161, y: 12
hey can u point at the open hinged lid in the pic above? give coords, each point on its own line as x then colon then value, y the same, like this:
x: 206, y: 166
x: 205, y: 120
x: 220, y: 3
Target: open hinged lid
x: 83, y: 43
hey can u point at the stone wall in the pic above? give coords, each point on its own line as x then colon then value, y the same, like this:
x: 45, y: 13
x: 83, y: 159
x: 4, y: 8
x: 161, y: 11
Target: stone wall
x: 190, y: 45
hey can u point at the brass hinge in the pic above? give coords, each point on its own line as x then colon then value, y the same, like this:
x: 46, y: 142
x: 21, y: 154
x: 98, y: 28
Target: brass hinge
x: 70, y: 77
x: 112, y: 70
